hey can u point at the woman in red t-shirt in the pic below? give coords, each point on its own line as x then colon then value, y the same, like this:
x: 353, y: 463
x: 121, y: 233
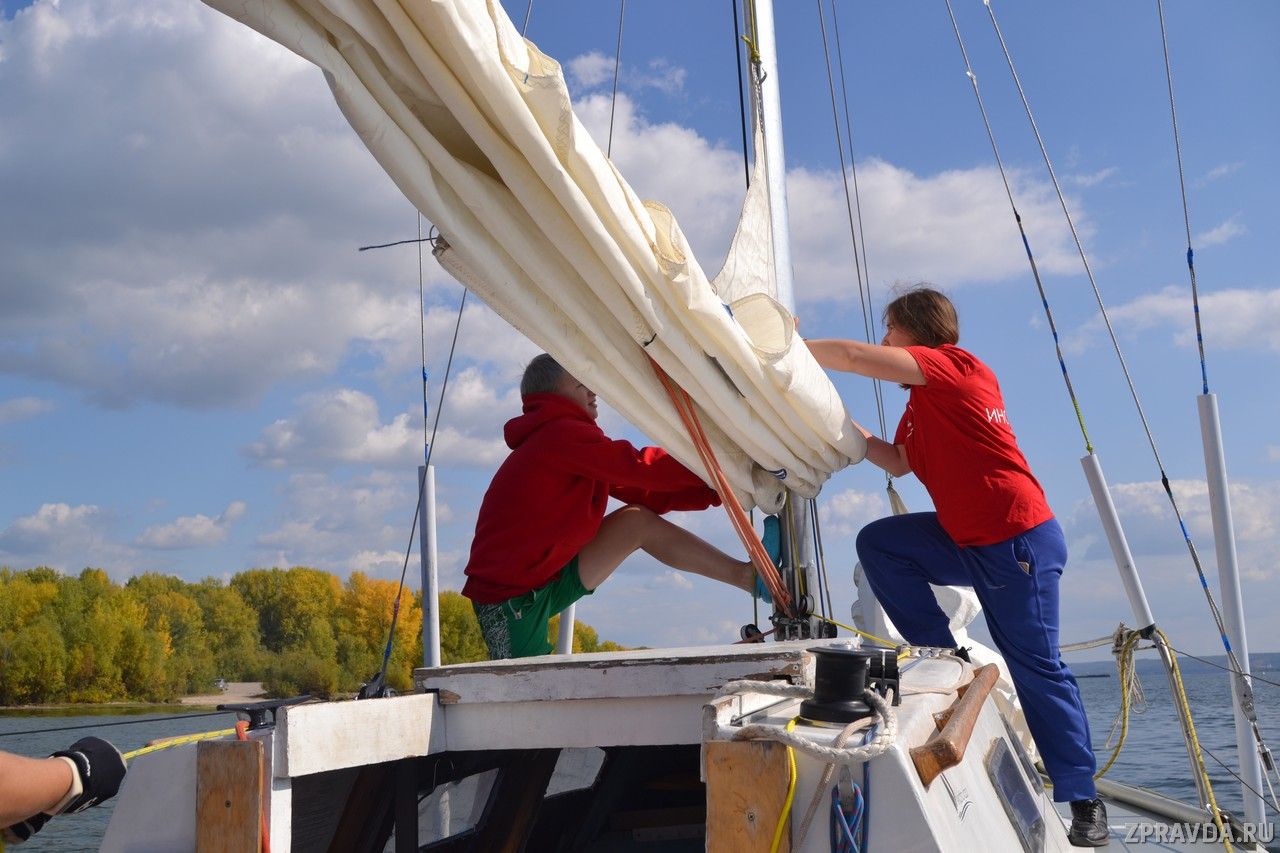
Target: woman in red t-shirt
x: 992, y: 529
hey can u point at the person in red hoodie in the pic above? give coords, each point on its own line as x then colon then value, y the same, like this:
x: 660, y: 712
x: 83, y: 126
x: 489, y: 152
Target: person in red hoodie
x: 543, y: 540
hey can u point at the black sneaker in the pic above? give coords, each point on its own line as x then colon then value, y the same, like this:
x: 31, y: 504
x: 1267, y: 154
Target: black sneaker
x: 1088, y: 824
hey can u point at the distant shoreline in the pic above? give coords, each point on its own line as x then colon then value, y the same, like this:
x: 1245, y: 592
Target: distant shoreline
x: 237, y: 692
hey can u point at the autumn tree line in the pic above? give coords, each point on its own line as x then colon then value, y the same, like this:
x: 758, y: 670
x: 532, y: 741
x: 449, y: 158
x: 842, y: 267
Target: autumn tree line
x: 156, y: 637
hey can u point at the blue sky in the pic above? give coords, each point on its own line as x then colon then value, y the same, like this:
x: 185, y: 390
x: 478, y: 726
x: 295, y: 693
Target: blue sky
x: 200, y: 374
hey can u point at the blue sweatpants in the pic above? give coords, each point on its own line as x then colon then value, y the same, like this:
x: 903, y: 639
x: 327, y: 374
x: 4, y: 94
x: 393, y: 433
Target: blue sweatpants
x: 1017, y: 583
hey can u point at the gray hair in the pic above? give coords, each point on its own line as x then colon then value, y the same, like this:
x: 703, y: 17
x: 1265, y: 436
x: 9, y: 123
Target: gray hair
x: 541, y: 376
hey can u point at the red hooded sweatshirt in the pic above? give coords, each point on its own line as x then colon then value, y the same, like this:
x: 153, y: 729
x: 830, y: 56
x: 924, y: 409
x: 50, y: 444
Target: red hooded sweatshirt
x: 549, y: 496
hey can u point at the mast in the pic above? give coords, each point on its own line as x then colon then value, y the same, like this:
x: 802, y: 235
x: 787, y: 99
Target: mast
x: 775, y: 161
x: 798, y: 555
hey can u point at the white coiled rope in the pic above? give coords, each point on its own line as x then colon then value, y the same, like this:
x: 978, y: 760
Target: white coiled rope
x: 881, y: 743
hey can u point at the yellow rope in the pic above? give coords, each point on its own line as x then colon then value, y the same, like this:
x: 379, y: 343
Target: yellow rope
x: 1126, y: 670
x: 177, y: 741
x: 791, y: 793
x: 752, y: 38
x: 1195, y: 745
x: 872, y: 637
x: 1125, y: 667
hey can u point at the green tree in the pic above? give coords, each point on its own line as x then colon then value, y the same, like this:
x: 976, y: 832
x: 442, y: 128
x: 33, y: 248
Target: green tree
x: 460, y: 637
x: 291, y: 607
x: 231, y: 631
x: 32, y: 663
x: 176, y: 618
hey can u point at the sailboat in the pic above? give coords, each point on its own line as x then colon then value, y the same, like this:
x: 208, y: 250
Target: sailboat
x: 897, y: 748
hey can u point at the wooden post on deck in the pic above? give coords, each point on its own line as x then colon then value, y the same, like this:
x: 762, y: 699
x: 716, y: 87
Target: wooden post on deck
x: 228, y: 796
x: 746, y: 790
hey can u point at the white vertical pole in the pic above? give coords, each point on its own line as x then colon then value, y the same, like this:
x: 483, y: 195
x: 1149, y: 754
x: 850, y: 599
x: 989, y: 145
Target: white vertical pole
x: 1224, y: 537
x: 1137, y: 596
x: 430, y: 567
x: 776, y: 180
x: 1119, y: 544
x: 564, y: 642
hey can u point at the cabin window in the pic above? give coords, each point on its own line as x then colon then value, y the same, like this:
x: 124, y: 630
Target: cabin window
x: 1016, y: 796
x: 1028, y: 766
x: 576, y: 769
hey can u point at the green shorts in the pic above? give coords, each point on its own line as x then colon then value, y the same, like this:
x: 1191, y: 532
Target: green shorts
x: 517, y: 627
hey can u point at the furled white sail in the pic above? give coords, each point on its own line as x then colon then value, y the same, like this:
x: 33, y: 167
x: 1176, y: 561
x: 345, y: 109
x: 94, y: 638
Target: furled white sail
x: 475, y: 126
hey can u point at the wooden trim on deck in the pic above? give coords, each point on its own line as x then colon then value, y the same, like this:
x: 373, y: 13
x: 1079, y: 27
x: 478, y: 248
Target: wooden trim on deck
x: 946, y: 748
x: 746, y: 789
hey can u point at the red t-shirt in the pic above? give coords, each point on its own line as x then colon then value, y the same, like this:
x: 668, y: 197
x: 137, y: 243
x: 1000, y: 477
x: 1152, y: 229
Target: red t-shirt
x: 961, y: 446
x: 549, y: 496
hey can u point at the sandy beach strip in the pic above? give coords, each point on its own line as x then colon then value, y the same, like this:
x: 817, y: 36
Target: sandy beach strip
x: 237, y: 692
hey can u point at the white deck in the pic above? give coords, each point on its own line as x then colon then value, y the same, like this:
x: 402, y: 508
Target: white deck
x: 636, y: 698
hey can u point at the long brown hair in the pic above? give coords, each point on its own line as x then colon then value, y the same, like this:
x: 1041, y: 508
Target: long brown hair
x: 924, y: 314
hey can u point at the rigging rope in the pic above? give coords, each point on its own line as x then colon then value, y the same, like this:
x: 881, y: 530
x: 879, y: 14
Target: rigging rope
x: 737, y: 516
x: 1186, y: 211
x: 165, y: 718
x: 855, y: 223
x: 528, y: 10
x: 869, y: 310
x: 742, y: 99
x: 1252, y: 676
x: 1246, y: 693
x: 1242, y: 681
x: 438, y: 243
x: 617, y: 65
x: 1026, y: 244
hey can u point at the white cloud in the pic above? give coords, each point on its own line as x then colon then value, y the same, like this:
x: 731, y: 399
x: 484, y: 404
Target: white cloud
x: 1240, y: 319
x: 67, y: 538
x: 341, y: 526
x: 845, y: 513
x: 336, y: 427
x: 1273, y: 452
x: 589, y: 70
x: 1219, y: 171
x: 594, y: 70
x: 217, y: 207
x: 1153, y: 532
x: 1098, y: 177
x: 21, y: 408
x: 671, y: 580
x: 381, y: 564
x: 660, y: 74
x: 1221, y: 233
x: 953, y: 227
x: 344, y: 427
x: 192, y: 531
x: 49, y: 522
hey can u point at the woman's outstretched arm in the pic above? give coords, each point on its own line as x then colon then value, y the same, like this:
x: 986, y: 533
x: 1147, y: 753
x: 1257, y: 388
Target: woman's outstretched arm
x: 892, y: 364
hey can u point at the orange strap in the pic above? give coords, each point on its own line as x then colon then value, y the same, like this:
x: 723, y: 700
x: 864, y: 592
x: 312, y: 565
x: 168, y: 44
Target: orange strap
x: 242, y: 733
x: 737, y: 516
